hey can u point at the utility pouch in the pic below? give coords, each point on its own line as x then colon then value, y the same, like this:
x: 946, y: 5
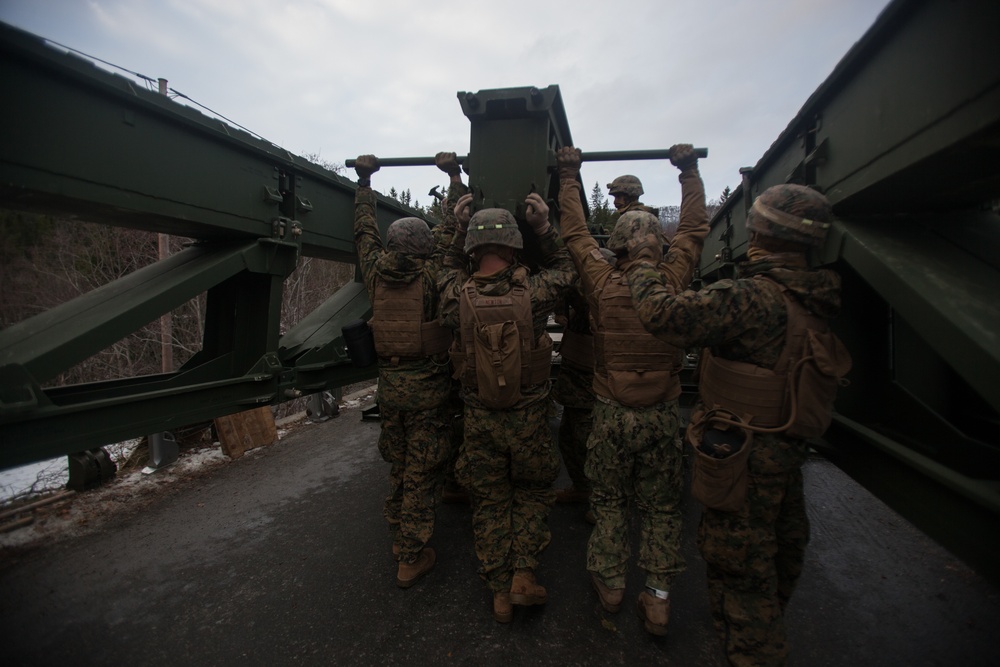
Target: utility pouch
x: 720, y: 477
x: 498, y: 364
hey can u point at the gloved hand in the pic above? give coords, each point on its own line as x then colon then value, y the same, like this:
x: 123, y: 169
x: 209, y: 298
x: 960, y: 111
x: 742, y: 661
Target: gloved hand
x: 462, y: 213
x: 366, y: 165
x: 568, y: 161
x: 537, y: 213
x: 649, y: 248
x: 448, y: 163
x: 683, y: 156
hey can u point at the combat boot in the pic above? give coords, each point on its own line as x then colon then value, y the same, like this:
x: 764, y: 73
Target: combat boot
x: 409, y: 573
x: 503, y: 612
x: 654, y: 611
x: 611, y: 598
x: 524, y: 590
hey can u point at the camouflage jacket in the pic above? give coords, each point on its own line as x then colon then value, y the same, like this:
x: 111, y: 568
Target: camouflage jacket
x: 741, y: 320
x: 417, y: 384
x: 547, y: 287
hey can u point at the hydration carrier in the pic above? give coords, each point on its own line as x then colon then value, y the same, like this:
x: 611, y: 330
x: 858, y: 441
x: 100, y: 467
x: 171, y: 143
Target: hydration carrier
x: 797, y: 396
x: 740, y: 399
x: 399, y: 327
x: 631, y: 366
x: 498, y: 354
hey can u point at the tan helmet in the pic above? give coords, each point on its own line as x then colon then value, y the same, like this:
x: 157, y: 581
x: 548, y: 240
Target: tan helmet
x: 793, y: 213
x: 410, y: 236
x: 493, y: 226
x: 637, y: 226
x: 627, y: 185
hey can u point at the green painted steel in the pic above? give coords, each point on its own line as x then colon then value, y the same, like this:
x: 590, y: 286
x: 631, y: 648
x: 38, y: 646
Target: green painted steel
x: 87, y: 144
x: 904, y: 138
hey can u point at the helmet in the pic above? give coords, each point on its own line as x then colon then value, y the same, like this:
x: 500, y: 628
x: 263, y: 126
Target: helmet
x: 626, y: 185
x: 410, y: 236
x: 790, y: 212
x: 635, y: 225
x: 493, y: 226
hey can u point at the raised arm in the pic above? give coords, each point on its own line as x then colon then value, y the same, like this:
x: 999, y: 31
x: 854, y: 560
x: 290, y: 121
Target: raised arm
x: 366, y: 236
x: 685, y: 249
x: 583, y: 248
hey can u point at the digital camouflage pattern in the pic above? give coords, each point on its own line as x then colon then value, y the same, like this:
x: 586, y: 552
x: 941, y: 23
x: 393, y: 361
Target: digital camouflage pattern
x: 754, y: 556
x: 627, y: 185
x: 634, y: 225
x: 410, y: 236
x: 629, y: 460
x: 493, y: 226
x: 791, y: 212
x: 418, y: 444
x: 508, y: 460
x: 411, y: 393
x: 508, y: 463
x: 609, y: 227
x: 628, y: 447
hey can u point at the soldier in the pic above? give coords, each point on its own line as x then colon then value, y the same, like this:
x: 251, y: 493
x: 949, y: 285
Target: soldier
x: 634, y: 453
x: 755, y: 329
x: 414, y: 375
x: 626, y: 190
x: 502, y: 354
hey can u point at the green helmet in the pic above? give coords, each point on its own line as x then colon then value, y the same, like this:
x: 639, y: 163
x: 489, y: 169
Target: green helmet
x: 790, y: 212
x: 634, y: 225
x: 493, y: 226
x: 627, y: 185
x: 410, y: 236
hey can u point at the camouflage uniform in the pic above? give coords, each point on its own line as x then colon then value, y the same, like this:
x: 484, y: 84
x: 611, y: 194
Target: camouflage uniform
x: 634, y: 453
x: 574, y: 390
x: 508, y: 460
x: 631, y: 206
x: 754, y: 555
x: 412, y: 393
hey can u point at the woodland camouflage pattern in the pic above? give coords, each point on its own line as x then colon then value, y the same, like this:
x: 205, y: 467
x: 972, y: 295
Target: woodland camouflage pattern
x: 754, y: 556
x: 508, y: 460
x: 412, y: 394
x: 634, y: 453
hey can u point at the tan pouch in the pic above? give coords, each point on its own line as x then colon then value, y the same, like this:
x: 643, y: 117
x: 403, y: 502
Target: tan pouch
x: 498, y: 364
x: 639, y: 389
x: 720, y: 476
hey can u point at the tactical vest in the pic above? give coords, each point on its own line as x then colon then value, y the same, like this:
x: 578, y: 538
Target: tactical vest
x: 399, y: 327
x: 631, y: 365
x: 768, y: 399
x: 477, y: 310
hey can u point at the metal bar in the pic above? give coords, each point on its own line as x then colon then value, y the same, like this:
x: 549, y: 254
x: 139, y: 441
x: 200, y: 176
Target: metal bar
x: 598, y: 156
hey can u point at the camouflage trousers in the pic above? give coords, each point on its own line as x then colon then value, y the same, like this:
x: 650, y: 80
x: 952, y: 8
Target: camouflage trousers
x: 574, y: 431
x: 634, y: 457
x: 507, y: 464
x: 417, y: 444
x: 755, y: 555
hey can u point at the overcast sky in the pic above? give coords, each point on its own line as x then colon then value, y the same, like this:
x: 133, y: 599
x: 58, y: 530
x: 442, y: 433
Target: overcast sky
x: 343, y: 77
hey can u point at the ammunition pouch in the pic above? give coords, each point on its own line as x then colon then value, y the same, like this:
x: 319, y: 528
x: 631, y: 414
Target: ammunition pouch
x: 720, y: 471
